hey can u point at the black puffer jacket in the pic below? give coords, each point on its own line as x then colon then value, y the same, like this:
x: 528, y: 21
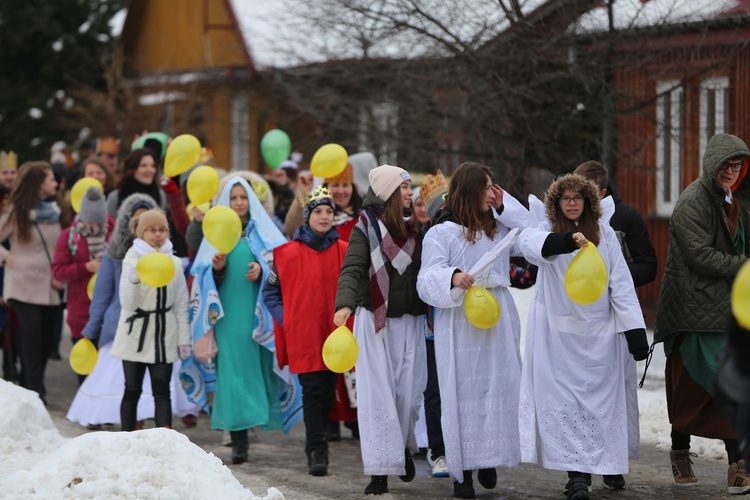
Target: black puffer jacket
x: 636, y: 244
x: 354, y: 280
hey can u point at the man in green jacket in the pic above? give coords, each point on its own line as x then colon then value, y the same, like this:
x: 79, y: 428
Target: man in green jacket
x: 709, y: 240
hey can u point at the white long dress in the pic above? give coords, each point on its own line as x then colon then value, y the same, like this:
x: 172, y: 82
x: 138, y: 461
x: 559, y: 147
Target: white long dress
x: 391, y: 379
x: 573, y: 410
x: 98, y: 399
x: 479, y: 370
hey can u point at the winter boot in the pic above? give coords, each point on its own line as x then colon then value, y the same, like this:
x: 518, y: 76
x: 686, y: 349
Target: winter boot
x: 616, y: 482
x: 682, y: 467
x: 239, y: 446
x: 378, y: 485
x: 579, y: 486
x: 319, y: 466
x: 409, y: 466
x: 466, y: 488
x: 487, y: 478
x: 569, y: 484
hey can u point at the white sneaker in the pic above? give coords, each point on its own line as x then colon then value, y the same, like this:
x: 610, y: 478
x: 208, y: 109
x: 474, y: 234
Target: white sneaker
x: 429, y: 459
x: 440, y: 468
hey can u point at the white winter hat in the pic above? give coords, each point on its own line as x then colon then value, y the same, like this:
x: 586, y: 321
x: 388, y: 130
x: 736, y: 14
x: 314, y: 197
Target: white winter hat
x: 386, y: 179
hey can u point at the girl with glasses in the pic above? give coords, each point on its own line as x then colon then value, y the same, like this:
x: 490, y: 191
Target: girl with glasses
x: 573, y: 409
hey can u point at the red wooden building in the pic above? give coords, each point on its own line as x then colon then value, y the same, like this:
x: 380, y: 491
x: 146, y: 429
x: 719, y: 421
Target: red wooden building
x: 679, y: 77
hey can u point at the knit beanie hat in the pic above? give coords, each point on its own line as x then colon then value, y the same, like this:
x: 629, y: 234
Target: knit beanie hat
x: 386, y: 179
x: 154, y: 217
x: 345, y: 177
x: 314, y: 198
x: 93, y: 207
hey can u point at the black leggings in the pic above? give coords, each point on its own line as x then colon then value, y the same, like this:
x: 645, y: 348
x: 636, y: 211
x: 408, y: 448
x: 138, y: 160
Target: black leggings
x: 36, y: 325
x: 681, y: 441
x: 160, y: 373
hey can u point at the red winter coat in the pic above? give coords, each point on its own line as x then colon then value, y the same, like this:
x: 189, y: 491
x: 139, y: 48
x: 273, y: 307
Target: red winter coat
x: 71, y: 269
x: 308, y: 280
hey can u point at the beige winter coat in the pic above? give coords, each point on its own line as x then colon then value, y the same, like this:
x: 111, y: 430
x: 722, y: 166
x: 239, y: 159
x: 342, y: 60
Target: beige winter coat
x: 29, y: 278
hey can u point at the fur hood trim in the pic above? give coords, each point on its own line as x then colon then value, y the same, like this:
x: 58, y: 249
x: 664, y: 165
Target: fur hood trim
x: 121, y: 237
x: 576, y: 183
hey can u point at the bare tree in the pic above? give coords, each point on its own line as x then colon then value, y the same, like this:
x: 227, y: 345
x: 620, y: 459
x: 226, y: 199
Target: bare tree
x: 512, y: 83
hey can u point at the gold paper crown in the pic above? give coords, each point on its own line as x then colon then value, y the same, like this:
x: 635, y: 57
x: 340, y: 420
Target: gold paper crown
x: 107, y: 145
x: 8, y: 160
x: 318, y: 193
x: 432, y: 187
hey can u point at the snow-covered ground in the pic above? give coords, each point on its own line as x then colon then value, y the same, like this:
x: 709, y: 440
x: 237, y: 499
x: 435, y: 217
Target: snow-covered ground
x: 37, y: 461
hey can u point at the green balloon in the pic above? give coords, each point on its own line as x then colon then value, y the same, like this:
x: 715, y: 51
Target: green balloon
x: 159, y: 136
x: 275, y: 147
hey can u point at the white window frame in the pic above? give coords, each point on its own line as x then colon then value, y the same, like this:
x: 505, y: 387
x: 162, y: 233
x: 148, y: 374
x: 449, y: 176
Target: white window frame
x: 240, y: 132
x: 672, y: 144
x: 720, y: 87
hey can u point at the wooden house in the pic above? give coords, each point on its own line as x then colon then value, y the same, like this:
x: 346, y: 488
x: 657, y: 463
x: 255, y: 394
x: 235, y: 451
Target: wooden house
x: 190, y: 69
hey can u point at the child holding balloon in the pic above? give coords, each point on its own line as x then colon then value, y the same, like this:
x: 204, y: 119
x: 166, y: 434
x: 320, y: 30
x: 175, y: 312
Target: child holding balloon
x: 302, y: 315
x: 391, y: 371
x: 153, y: 329
x: 573, y: 409
x: 78, y: 254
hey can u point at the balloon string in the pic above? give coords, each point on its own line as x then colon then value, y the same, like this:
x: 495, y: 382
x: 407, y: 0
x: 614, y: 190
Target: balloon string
x: 484, y: 279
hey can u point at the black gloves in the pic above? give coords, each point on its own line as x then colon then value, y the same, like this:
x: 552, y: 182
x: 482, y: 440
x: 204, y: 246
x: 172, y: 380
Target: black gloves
x: 637, y: 343
x: 558, y: 244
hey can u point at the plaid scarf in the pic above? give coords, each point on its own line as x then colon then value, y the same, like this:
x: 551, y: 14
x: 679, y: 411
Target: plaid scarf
x: 386, y: 254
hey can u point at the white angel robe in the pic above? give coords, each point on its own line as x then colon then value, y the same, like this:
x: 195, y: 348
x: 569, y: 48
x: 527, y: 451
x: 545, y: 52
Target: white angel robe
x: 574, y: 405
x: 479, y: 370
x: 391, y: 379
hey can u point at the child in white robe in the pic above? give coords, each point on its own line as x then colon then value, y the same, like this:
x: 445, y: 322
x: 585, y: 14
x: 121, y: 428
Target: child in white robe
x: 573, y: 411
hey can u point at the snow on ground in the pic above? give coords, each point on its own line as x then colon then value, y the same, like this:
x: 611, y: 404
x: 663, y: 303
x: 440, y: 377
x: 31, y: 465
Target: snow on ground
x: 37, y: 462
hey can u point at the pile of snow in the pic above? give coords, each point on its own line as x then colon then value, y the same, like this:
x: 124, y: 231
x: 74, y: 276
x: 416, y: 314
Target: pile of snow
x: 26, y: 429
x: 156, y: 463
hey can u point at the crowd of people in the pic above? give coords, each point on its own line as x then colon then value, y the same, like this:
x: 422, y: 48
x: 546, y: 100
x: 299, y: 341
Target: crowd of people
x: 240, y: 334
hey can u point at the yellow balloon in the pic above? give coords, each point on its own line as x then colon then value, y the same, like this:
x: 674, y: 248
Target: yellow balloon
x: 203, y: 207
x: 586, y: 277
x: 155, y: 269
x: 83, y: 357
x: 182, y: 153
x: 340, y: 350
x: 79, y: 191
x: 90, y: 287
x: 481, y: 307
x: 202, y: 184
x: 741, y: 296
x: 222, y: 228
x: 328, y: 161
